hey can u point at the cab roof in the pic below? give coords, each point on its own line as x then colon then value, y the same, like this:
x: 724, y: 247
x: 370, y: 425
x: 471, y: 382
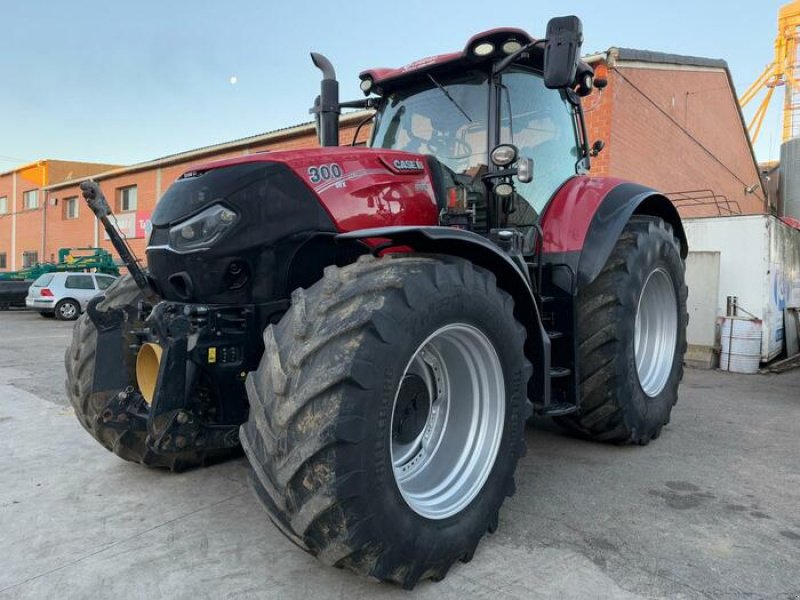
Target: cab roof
x: 465, y: 57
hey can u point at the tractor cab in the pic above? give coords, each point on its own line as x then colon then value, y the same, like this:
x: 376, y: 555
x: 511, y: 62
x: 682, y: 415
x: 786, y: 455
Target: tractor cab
x: 499, y: 123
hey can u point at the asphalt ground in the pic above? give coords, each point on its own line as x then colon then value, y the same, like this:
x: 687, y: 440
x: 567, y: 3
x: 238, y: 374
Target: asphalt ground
x: 709, y: 510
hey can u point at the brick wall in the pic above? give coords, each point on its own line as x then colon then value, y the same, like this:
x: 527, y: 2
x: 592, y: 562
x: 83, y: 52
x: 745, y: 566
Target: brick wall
x: 6, y: 190
x: 679, y: 130
x: 597, y: 109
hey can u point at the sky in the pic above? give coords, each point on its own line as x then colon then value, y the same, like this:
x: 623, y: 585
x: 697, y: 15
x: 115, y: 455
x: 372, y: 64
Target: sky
x: 122, y: 82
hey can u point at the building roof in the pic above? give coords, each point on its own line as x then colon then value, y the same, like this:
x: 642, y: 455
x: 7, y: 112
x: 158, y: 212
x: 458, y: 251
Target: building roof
x: 269, y: 136
x: 19, y: 168
x: 663, y: 58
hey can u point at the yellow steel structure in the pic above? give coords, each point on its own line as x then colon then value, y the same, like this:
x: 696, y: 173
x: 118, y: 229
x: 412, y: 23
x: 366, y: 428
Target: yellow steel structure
x: 783, y: 71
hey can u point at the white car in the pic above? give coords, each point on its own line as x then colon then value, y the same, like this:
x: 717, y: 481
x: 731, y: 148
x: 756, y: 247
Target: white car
x: 65, y: 295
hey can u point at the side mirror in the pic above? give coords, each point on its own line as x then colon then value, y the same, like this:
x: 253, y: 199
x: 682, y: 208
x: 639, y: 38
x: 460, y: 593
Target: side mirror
x: 561, y: 51
x: 597, y: 147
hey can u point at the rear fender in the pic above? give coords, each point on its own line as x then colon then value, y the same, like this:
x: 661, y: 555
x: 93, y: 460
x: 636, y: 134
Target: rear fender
x: 480, y: 251
x: 584, y: 220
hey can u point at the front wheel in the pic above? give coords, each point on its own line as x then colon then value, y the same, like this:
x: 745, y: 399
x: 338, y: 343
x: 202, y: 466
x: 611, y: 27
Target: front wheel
x: 387, y: 415
x: 631, y: 327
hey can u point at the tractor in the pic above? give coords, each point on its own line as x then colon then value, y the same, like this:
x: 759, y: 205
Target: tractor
x: 374, y: 326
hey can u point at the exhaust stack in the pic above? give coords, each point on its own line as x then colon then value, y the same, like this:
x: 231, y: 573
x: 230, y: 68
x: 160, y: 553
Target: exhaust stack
x: 326, y: 107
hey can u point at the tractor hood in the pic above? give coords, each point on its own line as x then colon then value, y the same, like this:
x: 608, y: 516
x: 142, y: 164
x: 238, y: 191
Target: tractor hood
x: 239, y: 230
x: 351, y: 184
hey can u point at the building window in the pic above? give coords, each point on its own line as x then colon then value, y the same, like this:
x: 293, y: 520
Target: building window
x: 4, y: 205
x: 29, y: 258
x: 30, y: 199
x: 3, y: 260
x: 71, y: 207
x: 126, y: 199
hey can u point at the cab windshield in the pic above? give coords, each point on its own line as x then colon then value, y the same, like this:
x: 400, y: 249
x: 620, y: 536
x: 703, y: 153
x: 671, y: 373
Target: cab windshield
x: 424, y: 120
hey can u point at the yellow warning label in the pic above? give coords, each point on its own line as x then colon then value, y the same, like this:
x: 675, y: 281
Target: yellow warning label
x: 212, y: 355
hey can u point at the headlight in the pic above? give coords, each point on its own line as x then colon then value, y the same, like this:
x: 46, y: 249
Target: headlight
x: 203, y: 229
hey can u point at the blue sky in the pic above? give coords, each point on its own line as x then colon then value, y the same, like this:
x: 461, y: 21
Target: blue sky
x: 123, y: 82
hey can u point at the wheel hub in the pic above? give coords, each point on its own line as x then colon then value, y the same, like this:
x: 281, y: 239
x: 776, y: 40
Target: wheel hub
x: 447, y: 421
x: 412, y: 410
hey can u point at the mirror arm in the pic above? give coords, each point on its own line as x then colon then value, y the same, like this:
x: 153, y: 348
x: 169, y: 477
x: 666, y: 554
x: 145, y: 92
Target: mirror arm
x: 503, y: 64
x: 365, y: 103
x: 500, y: 174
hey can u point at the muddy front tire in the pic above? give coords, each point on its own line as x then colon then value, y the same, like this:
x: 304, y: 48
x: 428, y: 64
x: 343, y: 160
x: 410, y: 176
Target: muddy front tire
x: 364, y: 451
x: 631, y: 324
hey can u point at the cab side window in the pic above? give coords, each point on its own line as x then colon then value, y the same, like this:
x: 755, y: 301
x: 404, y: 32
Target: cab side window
x: 541, y: 124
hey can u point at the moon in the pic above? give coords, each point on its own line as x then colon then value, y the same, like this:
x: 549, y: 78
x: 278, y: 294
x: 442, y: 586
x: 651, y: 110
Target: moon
x: 233, y: 79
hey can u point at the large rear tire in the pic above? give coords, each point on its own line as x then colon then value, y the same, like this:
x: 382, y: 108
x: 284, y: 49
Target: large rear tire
x: 79, y: 361
x: 631, y: 326
x: 387, y: 415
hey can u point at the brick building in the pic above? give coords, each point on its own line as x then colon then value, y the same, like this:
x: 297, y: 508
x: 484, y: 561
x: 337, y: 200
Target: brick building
x: 674, y: 123
x: 671, y: 122
x: 134, y: 190
x: 23, y: 203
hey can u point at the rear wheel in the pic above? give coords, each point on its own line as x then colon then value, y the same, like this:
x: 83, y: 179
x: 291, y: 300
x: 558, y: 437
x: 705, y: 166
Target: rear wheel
x: 387, y: 415
x: 631, y: 326
x: 67, y: 310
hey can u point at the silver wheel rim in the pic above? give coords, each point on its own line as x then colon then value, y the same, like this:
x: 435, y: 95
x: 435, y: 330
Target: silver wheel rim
x: 67, y: 310
x: 447, y: 421
x: 656, y: 332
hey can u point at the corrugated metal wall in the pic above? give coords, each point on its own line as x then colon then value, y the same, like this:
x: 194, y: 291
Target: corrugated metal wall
x: 790, y: 179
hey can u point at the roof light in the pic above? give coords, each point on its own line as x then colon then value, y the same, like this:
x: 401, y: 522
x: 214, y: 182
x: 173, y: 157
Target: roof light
x: 483, y: 49
x: 511, y: 45
x: 366, y: 85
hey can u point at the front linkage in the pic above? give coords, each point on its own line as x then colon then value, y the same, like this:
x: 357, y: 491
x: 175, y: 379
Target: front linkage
x: 203, y: 360
x: 191, y: 361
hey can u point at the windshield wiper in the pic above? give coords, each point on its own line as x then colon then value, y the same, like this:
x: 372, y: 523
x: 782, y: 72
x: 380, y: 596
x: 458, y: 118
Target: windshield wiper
x: 449, y: 97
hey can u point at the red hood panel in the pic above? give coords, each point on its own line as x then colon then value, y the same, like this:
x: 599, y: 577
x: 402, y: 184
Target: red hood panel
x: 359, y: 187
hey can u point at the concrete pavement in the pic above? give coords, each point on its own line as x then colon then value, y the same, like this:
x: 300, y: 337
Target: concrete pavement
x: 711, y: 509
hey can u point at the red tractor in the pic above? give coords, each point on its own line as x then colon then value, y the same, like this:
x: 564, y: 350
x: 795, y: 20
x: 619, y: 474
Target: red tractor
x: 375, y: 325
